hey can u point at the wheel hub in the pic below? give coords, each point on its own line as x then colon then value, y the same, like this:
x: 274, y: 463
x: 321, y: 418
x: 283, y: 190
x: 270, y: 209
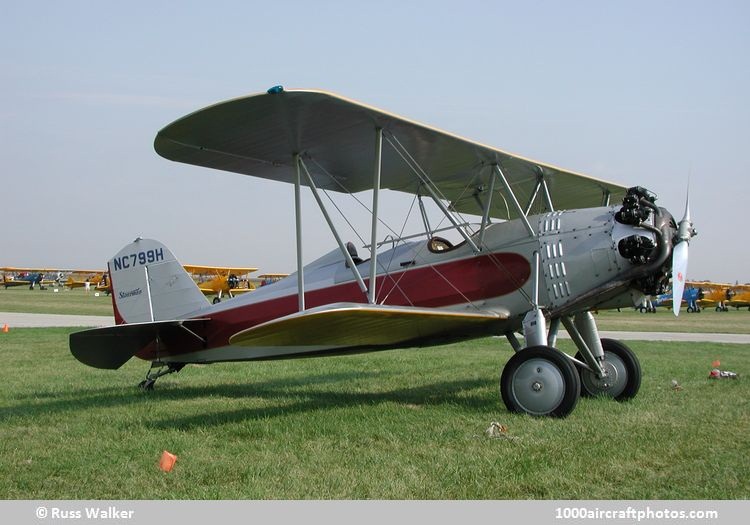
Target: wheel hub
x: 612, y: 383
x: 538, y: 386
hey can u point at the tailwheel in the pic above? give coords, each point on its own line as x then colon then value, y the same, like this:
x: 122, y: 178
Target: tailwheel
x: 147, y: 384
x: 540, y: 381
x: 157, y: 370
x: 623, y: 373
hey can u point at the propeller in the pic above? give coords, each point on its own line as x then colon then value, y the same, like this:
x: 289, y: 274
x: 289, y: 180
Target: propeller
x: 680, y: 256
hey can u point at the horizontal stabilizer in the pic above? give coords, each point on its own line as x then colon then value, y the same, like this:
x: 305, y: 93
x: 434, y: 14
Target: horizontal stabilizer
x: 352, y: 325
x: 112, y: 346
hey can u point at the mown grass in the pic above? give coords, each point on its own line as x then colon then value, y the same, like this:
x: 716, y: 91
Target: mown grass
x: 707, y: 321
x: 73, y: 302
x: 399, y: 424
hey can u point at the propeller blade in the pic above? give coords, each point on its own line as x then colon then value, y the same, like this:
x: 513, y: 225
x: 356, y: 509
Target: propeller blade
x: 679, y: 272
x: 685, y: 228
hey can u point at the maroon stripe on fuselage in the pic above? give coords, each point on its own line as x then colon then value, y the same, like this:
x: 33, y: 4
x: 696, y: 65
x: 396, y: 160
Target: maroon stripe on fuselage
x: 472, y: 279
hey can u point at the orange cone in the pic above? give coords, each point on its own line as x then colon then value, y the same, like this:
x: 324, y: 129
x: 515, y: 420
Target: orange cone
x: 716, y: 364
x: 5, y: 329
x: 167, y: 461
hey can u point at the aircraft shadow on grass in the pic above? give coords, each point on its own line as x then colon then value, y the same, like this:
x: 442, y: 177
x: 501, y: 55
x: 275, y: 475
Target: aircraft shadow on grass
x: 294, y: 396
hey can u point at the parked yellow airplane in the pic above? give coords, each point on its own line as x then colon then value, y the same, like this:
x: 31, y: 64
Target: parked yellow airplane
x: 218, y: 280
x: 268, y: 278
x: 714, y: 294
x: 741, y: 296
x: 13, y: 276
x: 97, y: 280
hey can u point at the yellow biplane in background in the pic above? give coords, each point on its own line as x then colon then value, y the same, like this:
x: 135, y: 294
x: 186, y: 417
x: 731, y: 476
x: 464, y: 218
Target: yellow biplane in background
x: 713, y: 294
x: 89, y: 279
x: 31, y: 277
x: 220, y: 280
x: 740, y: 296
x: 267, y: 278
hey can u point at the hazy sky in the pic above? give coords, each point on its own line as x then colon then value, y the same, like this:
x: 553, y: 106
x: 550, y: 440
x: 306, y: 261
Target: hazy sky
x: 639, y: 93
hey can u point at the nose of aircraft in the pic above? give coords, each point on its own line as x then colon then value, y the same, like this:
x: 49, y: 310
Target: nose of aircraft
x: 650, y: 255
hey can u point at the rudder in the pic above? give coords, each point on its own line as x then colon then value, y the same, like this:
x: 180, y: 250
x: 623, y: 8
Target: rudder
x: 149, y: 284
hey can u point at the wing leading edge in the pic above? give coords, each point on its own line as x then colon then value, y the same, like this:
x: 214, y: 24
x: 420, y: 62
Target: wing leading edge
x: 258, y: 135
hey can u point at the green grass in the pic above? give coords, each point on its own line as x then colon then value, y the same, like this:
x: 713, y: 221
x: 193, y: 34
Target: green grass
x: 708, y: 321
x: 74, y: 302
x: 399, y: 424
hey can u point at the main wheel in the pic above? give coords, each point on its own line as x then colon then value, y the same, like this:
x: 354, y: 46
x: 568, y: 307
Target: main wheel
x: 540, y: 381
x: 623, y: 369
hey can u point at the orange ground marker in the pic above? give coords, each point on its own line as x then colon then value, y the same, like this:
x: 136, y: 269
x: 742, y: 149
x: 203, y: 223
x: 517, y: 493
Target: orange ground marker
x: 5, y: 329
x: 167, y: 461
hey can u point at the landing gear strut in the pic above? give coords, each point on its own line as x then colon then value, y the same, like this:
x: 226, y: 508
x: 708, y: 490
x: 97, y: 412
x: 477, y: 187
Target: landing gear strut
x: 622, y: 373
x: 158, y: 370
x: 542, y: 381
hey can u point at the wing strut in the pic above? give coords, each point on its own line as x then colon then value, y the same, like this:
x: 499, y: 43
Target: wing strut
x: 533, y: 195
x: 547, y: 196
x: 513, y: 198
x: 425, y: 220
x: 374, y: 235
x: 487, y: 208
x: 347, y: 255
x: 298, y: 229
x: 424, y: 178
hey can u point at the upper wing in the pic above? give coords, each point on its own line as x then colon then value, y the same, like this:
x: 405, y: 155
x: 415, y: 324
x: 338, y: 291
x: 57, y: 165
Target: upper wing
x: 194, y: 268
x: 259, y: 134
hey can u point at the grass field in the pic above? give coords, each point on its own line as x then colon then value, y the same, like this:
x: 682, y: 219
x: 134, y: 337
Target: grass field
x: 399, y: 424
x: 74, y: 302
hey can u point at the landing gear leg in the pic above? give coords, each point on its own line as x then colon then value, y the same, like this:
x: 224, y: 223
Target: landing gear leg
x: 158, y: 370
x: 608, y: 367
x: 539, y: 380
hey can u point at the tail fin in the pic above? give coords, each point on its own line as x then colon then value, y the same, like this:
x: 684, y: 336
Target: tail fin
x: 149, y: 284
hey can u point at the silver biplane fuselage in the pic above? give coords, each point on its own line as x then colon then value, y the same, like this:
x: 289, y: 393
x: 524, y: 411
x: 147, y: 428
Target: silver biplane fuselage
x: 516, y: 272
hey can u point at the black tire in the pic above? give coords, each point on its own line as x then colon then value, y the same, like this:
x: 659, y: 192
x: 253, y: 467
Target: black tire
x: 540, y: 381
x: 625, y: 361
x: 216, y: 300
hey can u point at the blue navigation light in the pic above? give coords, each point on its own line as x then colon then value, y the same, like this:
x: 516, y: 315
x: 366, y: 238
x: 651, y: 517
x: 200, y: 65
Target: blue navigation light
x: 276, y: 89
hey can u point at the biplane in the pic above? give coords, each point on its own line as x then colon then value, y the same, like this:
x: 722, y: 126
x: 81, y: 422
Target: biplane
x: 88, y: 279
x: 220, y: 280
x: 711, y: 294
x: 268, y: 278
x: 546, y: 247
x: 30, y: 277
x: 740, y: 296
x: 692, y: 296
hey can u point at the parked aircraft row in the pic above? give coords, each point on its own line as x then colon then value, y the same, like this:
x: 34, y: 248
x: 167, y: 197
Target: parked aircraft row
x: 699, y: 295
x: 212, y: 280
